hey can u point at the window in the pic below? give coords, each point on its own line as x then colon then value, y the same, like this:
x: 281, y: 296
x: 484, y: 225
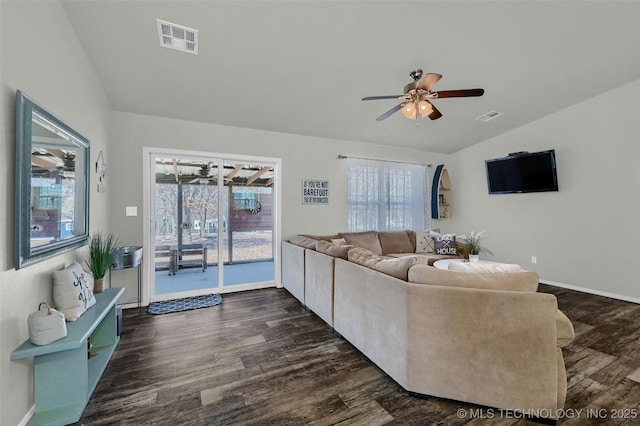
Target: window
x: 387, y: 196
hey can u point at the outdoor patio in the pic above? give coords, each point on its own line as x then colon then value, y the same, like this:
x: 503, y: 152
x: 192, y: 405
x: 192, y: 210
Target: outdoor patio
x: 188, y: 279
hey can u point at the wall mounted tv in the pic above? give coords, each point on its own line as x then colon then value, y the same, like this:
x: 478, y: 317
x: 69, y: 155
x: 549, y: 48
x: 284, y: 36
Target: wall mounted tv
x: 522, y: 172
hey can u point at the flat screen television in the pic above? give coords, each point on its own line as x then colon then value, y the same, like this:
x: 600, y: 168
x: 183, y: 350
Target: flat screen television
x: 522, y: 172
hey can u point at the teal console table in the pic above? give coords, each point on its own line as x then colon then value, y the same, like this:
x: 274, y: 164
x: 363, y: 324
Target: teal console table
x: 64, y: 375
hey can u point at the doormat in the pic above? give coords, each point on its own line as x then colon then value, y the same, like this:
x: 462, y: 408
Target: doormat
x: 186, y: 304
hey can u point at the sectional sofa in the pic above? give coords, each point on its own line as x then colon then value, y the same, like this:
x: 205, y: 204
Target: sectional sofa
x: 482, y: 337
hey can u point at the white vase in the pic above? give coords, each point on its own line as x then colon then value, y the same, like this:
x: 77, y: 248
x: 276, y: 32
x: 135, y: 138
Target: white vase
x: 474, y: 258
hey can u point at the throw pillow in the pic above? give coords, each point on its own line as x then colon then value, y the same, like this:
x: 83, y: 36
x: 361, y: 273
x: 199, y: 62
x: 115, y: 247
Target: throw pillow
x: 445, y: 244
x: 395, y: 242
x: 71, y: 294
x: 333, y: 250
x: 338, y: 241
x: 396, y: 267
x: 425, y: 243
x: 367, y: 240
x: 302, y: 241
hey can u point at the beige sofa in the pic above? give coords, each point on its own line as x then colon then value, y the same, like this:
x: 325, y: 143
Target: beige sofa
x: 484, y: 338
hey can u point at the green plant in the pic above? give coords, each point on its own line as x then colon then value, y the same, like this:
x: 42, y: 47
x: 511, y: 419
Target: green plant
x: 101, y: 247
x: 473, y: 243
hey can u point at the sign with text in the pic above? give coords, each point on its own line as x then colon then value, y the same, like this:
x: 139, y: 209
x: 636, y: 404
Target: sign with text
x: 315, y: 191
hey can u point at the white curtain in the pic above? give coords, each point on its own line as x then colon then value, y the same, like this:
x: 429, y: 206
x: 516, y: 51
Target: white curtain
x: 387, y: 196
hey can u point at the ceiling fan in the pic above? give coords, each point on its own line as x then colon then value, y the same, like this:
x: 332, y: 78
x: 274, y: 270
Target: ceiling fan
x: 417, y: 95
x: 204, y: 175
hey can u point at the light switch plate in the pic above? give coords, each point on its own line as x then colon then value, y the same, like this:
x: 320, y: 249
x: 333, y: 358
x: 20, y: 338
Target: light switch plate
x: 131, y: 211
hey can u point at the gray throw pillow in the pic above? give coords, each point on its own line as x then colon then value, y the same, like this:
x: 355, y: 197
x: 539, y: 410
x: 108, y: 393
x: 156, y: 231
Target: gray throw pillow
x: 446, y: 244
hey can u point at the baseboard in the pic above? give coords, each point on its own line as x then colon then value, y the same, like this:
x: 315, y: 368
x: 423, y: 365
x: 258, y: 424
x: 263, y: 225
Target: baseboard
x: 592, y: 291
x: 27, y: 416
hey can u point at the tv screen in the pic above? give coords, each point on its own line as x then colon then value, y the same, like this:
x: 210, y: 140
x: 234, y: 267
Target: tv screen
x: 522, y: 172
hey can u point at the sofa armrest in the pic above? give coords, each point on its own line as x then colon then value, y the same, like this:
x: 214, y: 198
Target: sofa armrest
x: 511, y: 281
x: 293, y: 269
x: 318, y: 284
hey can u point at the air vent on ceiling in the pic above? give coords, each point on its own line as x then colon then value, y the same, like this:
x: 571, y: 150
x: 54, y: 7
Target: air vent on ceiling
x: 489, y: 116
x: 177, y: 37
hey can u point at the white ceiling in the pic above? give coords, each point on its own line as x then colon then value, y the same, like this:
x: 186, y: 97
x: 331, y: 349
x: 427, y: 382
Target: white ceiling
x: 302, y: 67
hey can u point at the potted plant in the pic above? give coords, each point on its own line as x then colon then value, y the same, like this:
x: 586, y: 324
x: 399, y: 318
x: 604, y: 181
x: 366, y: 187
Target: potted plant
x: 100, y: 258
x: 473, y: 243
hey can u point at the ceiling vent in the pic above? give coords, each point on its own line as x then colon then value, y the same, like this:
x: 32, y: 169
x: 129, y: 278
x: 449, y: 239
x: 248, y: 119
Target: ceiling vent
x: 489, y: 116
x: 177, y: 37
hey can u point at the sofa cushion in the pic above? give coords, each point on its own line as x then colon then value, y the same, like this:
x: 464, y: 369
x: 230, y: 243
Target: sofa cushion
x: 396, y: 267
x: 512, y: 281
x: 445, y: 244
x: 477, y: 267
x: 395, y: 242
x: 367, y: 240
x: 425, y: 242
x: 564, y: 330
x: 333, y: 250
x: 302, y: 241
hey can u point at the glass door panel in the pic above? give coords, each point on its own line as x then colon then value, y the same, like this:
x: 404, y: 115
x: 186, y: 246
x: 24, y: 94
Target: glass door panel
x: 249, y: 241
x: 213, y: 226
x: 186, y: 237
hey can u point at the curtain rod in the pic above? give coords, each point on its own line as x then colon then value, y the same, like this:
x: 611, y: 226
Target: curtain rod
x: 343, y: 157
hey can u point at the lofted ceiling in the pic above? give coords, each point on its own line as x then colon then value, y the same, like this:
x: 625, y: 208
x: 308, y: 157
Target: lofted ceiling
x: 302, y: 67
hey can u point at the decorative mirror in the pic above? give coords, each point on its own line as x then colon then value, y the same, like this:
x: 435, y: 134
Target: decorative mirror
x: 52, y: 184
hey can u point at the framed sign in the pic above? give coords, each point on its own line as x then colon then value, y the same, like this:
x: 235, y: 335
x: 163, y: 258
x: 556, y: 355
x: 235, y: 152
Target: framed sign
x: 315, y: 191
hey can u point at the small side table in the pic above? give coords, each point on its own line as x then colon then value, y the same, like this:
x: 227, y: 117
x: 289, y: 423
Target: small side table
x: 126, y: 258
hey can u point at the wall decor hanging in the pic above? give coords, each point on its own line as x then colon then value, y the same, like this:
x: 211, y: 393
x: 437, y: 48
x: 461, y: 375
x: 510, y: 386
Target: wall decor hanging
x: 101, y: 170
x: 315, y: 191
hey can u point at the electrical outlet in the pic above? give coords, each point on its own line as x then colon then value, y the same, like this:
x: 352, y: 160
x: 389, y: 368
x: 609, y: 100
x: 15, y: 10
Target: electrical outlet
x: 534, y: 259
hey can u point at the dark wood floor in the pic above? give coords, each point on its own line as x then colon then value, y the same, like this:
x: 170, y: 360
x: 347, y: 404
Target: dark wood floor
x: 261, y: 358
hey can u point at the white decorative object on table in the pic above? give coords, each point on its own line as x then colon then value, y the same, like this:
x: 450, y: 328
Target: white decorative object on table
x: 46, y: 325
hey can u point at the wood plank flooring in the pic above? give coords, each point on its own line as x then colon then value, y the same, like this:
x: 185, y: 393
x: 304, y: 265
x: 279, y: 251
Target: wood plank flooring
x: 260, y: 358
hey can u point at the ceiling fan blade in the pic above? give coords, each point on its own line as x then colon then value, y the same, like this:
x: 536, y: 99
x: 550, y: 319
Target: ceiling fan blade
x: 435, y: 114
x: 411, y: 86
x: 390, y: 112
x: 458, y: 93
x: 373, y: 98
x: 429, y: 80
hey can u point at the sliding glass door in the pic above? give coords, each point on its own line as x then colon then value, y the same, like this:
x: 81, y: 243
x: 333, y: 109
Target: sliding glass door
x: 213, y: 225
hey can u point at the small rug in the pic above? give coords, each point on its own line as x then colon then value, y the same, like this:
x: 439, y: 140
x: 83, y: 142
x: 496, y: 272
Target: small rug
x: 186, y: 304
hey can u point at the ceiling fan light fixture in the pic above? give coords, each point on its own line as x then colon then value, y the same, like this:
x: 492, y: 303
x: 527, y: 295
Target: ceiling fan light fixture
x: 424, y: 108
x: 409, y: 110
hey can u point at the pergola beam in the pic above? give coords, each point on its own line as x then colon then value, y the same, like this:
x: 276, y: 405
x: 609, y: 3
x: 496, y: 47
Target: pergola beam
x: 257, y: 174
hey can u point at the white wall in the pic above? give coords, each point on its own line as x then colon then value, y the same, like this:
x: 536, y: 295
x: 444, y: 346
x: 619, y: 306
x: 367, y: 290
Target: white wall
x: 586, y: 235
x: 302, y: 157
x: 41, y: 56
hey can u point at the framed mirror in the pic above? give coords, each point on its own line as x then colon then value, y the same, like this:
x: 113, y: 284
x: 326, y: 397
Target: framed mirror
x: 52, y: 184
